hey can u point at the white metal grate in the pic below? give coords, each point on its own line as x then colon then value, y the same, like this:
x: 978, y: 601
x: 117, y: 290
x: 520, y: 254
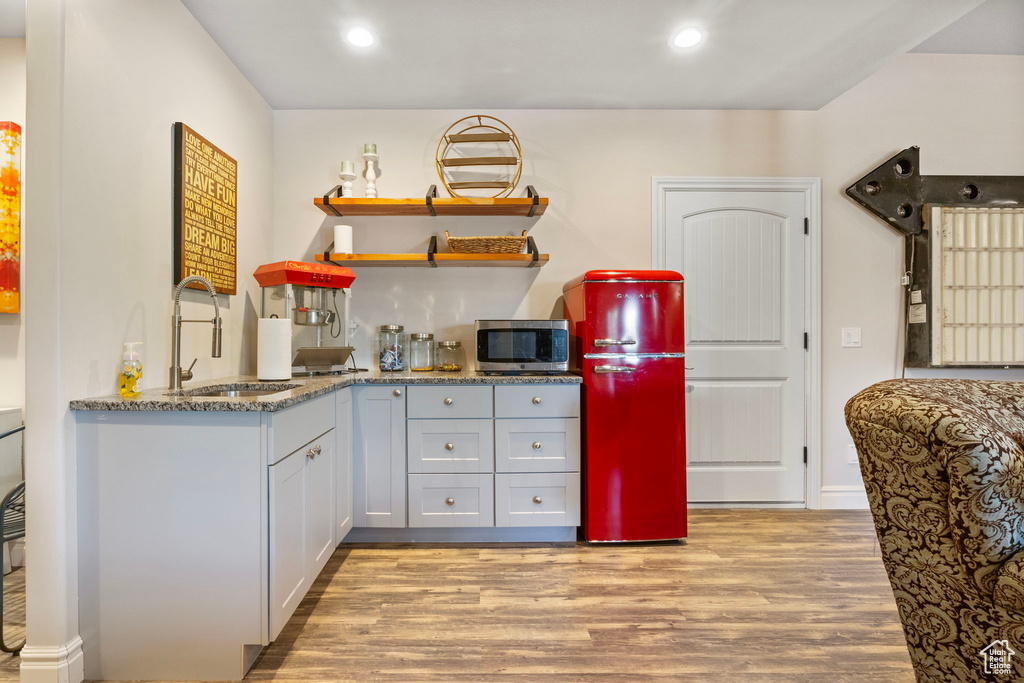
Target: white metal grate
x: 977, y: 286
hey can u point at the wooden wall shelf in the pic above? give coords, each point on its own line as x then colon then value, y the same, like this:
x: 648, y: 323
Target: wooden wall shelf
x: 432, y: 205
x: 439, y: 260
x: 432, y: 259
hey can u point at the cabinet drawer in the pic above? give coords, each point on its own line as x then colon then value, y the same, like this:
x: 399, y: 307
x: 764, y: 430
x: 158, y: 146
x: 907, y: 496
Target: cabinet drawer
x: 537, y: 400
x: 295, y: 426
x: 537, y: 499
x: 451, y: 401
x: 543, y: 445
x: 449, y: 500
x: 441, y: 446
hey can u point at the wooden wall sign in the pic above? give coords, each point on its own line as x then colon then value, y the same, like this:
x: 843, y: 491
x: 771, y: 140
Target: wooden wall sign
x: 205, y: 202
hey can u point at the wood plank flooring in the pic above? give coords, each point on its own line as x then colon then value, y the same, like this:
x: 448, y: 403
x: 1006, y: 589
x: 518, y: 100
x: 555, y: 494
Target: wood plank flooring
x: 756, y: 595
x: 14, y: 622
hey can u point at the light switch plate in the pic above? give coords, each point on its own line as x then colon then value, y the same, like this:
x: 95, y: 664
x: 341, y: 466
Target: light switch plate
x: 851, y: 337
x: 851, y: 454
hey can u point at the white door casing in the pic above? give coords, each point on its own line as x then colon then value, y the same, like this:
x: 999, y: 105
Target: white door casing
x: 752, y: 290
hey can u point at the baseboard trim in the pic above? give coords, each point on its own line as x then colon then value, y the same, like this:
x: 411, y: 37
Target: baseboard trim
x: 844, y: 498
x: 53, y: 663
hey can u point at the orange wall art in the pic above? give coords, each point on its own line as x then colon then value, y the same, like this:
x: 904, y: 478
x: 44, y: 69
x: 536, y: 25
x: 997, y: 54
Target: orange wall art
x: 10, y: 216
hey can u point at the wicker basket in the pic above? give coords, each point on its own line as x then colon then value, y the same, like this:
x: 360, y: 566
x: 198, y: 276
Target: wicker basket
x: 486, y: 245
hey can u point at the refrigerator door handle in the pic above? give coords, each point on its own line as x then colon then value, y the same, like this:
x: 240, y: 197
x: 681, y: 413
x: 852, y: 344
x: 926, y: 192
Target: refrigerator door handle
x: 604, y: 369
x: 614, y: 342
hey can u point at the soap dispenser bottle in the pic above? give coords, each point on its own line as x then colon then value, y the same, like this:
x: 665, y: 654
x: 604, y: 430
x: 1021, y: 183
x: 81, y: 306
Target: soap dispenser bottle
x: 131, y: 370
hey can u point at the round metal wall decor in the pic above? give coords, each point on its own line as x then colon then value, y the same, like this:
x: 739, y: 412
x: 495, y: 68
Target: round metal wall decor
x: 479, y: 141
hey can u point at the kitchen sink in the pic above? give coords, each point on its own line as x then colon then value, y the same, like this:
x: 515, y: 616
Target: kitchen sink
x: 237, y: 390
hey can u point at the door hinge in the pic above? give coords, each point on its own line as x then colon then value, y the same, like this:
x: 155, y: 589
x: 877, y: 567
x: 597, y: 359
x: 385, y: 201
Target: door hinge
x: 807, y: 226
x: 805, y: 455
x: 807, y: 341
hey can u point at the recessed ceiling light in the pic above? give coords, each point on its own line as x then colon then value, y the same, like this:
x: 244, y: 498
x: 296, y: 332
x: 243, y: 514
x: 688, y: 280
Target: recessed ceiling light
x: 688, y: 37
x: 360, y: 36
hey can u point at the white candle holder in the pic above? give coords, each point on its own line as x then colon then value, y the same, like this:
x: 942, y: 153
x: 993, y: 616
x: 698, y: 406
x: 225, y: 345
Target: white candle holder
x: 371, y: 175
x: 346, y: 184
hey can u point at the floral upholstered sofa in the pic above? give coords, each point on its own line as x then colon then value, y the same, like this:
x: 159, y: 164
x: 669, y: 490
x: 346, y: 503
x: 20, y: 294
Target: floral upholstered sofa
x: 943, y: 464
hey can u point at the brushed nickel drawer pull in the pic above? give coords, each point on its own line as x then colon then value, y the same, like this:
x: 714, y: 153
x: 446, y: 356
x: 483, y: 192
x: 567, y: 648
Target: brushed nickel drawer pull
x: 537, y: 500
x: 449, y: 446
x: 397, y: 392
x: 310, y: 454
x: 449, y: 501
x: 537, y: 445
x: 448, y: 401
x: 536, y: 400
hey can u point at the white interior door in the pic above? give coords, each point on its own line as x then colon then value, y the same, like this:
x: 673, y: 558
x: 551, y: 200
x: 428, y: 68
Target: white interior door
x: 742, y: 254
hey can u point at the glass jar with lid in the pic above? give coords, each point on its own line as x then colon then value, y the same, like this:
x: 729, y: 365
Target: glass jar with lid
x: 450, y: 356
x: 421, y: 352
x: 391, y: 348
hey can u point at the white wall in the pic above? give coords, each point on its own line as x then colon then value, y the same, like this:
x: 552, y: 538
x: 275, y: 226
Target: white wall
x: 596, y: 166
x: 12, y: 326
x: 109, y: 79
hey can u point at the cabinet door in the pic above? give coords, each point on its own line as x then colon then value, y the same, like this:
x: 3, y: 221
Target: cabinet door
x: 320, y: 472
x: 289, y: 551
x: 378, y: 418
x: 343, y: 463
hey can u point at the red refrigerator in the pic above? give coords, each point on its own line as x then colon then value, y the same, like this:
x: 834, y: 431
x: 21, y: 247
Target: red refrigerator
x: 626, y: 340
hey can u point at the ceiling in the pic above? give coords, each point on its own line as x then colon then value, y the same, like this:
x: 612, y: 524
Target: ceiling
x: 455, y: 54
x: 994, y: 28
x: 12, y: 18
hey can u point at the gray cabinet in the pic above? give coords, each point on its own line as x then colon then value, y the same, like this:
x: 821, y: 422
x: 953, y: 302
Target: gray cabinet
x: 302, y: 513
x: 378, y: 417
x: 343, y: 463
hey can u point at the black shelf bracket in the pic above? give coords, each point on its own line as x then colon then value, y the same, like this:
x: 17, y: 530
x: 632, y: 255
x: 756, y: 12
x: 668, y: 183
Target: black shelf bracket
x: 327, y: 256
x: 531, y: 248
x: 335, y: 192
x: 431, y: 250
x: 896, y: 192
x: 431, y: 194
x: 532, y: 193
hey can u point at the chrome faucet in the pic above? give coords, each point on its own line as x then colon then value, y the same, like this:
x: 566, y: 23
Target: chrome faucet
x: 177, y: 375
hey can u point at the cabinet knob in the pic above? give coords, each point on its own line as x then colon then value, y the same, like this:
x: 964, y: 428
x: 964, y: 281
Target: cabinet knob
x: 448, y: 401
x: 536, y: 445
x: 537, y: 500
x: 536, y: 400
x: 397, y: 392
x: 449, y: 501
x: 310, y: 454
x: 449, y: 446
x: 316, y: 450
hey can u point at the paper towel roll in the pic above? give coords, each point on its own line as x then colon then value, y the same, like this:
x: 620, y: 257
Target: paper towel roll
x: 274, y: 348
x: 342, y: 239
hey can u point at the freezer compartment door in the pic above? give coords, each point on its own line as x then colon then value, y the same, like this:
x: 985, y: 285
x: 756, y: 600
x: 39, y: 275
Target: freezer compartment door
x: 634, y: 317
x: 634, y: 469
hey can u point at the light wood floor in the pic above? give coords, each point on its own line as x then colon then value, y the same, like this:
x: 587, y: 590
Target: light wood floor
x: 785, y: 595
x: 14, y: 622
x: 756, y: 595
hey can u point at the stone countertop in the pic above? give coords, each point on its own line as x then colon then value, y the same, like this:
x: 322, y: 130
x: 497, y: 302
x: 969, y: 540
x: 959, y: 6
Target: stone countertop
x: 293, y: 391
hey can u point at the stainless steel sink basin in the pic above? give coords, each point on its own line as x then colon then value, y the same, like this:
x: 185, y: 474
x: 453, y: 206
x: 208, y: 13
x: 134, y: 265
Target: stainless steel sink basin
x: 237, y: 390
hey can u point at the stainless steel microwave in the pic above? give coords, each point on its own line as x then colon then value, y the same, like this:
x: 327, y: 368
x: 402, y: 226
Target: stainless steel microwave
x: 516, y: 346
